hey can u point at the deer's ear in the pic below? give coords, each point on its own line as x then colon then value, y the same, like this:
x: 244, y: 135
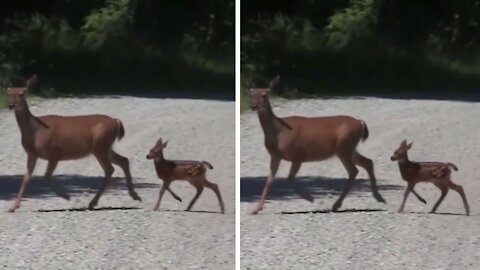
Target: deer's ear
x: 252, y: 91
x: 404, y: 143
x: 31, y: 81
x: 165, y: 144
x: 409, y: 145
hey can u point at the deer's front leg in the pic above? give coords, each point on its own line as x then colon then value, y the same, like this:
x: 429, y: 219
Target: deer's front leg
x: 31, y: 162
x: 405, y: 196
x: 274, y: 163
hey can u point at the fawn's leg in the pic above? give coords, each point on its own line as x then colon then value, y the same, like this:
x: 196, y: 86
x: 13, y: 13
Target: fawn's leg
x: 274, y: 163
x: 459, y: 189
x: 199, y: 188
x: 107, y: 167
x: 174, y: 195
x: 349, y: 165
x: 301, y: 190
x: 418, y: 196
x: 164, y: 187
x: 405, y: 196
x: 215, y: 189
x: 123, y: 163
x: 31, y: 162
x: 367, y: 164
x: 444, y: 190
x: 59, y: 190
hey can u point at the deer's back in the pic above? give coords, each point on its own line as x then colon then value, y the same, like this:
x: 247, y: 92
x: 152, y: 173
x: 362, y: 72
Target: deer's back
x: 73, y: 137
x: 424, y: 171
x: 179, y: 169
x: 318, y: 138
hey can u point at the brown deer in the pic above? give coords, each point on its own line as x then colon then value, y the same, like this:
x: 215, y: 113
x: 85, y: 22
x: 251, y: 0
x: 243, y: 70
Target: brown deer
x: 56, y: 138
x: 300, y: 139
x: 189, y: 170
x: 437, y: 173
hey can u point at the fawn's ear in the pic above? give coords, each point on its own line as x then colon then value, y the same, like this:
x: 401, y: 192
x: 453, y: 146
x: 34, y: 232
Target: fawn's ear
x: 164, y: 145
x: 404, y: 143
x: 409, y: 145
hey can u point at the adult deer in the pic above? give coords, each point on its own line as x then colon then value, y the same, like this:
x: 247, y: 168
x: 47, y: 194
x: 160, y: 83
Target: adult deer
x: 56, y: 138
x: 305, y: 139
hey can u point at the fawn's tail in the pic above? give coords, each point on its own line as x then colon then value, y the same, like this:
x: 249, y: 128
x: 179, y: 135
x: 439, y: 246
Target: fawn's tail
x: 451, y: 165
x: 206, y: 163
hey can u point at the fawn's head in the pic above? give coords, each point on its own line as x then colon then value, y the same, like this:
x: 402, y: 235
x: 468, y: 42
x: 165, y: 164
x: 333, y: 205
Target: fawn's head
x: 259, y: 96
x: 157, y: 150
x: 401, y: 153
x: 16, y: 95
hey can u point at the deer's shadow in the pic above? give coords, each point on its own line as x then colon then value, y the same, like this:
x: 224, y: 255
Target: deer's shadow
x: 39, y: 187
x: 251, y: 187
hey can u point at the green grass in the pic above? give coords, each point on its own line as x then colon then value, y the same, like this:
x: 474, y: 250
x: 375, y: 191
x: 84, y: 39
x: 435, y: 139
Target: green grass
x: 244, y: 100
x: 3, y: 100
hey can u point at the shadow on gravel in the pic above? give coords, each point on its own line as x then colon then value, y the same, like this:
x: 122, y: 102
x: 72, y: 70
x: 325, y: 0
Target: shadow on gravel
x: 251, y: 187
x: 74, y: 184
x: 86, y: 209
x: 327, y: 211
x: 192, y: 211
x: 437, y: 213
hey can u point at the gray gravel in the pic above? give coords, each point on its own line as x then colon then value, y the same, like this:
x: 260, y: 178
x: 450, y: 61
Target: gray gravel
x: 369, y: 235
x: 126, y: 234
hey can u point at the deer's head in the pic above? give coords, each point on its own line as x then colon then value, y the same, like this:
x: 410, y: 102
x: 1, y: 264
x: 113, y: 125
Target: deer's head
x: 157, y: 150
x: 17, y: 95
x: 401, y: 153
x: 259, y: 96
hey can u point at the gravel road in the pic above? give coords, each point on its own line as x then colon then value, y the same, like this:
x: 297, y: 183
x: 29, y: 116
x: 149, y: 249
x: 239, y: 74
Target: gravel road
x: 123, y: 234
x: 292, y: 233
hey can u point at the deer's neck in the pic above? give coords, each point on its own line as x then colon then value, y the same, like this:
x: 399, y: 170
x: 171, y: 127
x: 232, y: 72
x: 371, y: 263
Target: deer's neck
x: 160, y: 163
x: 404, y: 166
x: 28, y: 123
x: 271, y: 124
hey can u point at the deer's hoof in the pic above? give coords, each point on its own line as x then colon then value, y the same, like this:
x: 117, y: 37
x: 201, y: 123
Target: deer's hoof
x: 11, y: 210
x: 254, y: 212
x: 135, y: 197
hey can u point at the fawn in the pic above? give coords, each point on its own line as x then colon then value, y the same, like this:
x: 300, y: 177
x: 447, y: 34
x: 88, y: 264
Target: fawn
x: 437, y: 173
x: 189, y: 170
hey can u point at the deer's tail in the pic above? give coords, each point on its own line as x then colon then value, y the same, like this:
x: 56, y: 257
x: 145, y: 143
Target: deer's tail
x: 206, y: 163
x: 451, y: 165
x: 120, y: 130
x: 365, y: 131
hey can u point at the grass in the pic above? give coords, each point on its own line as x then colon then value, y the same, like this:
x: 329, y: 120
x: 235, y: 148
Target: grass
x: 3, y: 100
x: 244, y: 100
x: 381, y: 72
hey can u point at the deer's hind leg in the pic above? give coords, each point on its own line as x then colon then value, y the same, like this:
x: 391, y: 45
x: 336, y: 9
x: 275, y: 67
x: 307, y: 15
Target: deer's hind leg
x: 444, y: 189
x: 57, y: 187
x: 459, y: 189
x: 199, y: 187
x: 107, y: 167
x: 347, y: 161
x: 367, y: 164
x: 123, y: 163
x: 214, y: 188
